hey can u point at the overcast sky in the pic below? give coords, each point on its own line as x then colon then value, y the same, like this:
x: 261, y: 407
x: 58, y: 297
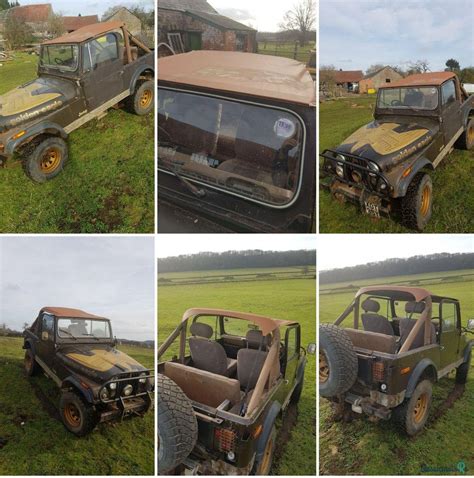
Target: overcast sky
x: 88, y: 7
x: 169, y: 245
x: 336, y: 251
x: 355, y: 34
x: 109, y: 276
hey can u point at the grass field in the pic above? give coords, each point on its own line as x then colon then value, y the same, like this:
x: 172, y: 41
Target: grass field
x: 452, y: 181
x: 107, y: 186
x: 362, y: 447
x: 36, y: 443
x: 286, y: 49
x: 284, y: 299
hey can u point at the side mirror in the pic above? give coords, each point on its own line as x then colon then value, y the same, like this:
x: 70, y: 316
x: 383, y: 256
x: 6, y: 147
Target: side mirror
x: 470, y: 324
x: 311, y: 349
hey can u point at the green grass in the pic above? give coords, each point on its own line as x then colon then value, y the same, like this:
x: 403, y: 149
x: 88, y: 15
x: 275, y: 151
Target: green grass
x: 107, y: 186
x: 452, y: 181
x: 362, y: 447
x: 38, y: 443
x: 285, y: 299
x: 286, y: 49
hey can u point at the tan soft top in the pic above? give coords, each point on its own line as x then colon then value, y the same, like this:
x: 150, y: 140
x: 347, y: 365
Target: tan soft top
x: 261, y: 76
x: 418, y: 293
x: 266, y: 324
x: 421, y: 79
x: 85, y: 33
x: 67, y: 312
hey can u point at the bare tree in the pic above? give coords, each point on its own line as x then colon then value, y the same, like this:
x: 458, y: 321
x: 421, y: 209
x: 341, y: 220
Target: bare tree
x: 301, y: 18
x: 25, y: 325
x: 16, y: 33
x: 419, y: 66
x: 56, y: 25
x: 373, y: 68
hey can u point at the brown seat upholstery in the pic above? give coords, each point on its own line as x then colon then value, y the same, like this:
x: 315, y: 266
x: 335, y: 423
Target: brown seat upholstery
x: 374, y: 322
x: 255, y: 340
x: 207, y: 354
x: 407, y: 324
x: 373, y: 341
x: 249, y: 366
x: 203, y: 387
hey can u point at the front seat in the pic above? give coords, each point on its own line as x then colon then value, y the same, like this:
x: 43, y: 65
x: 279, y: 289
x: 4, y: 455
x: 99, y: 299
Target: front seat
x: 374, y: 322
x: 207, y: 354
x: 255, y: 340
x: 407, y: 324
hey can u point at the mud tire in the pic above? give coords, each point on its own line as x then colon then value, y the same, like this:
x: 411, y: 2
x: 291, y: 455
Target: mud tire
x: 466, y: 140
x: 134, y: 104
x: 34, y: 156
x: 414, y: 214
x: 31, y: 365
x: 87, y: 417
x: 177, y: 425
x: 336, y: 345
x: 264, y: 465
x: 463, y: 370
x: 404, y: 414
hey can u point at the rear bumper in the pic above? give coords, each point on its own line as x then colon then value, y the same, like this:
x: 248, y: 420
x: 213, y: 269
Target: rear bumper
x: 378, y: 404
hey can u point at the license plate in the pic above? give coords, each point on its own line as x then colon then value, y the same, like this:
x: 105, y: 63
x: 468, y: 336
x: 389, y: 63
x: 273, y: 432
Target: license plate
x: 372, y: 209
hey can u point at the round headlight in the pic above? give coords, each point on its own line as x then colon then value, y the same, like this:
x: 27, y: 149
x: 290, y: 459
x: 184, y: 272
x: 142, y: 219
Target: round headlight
x: 104, y: 394
x: 340, y: 157
x: 340, y: 170
x: 373, y: 166
x: 127, y: 390
x: 113, y: 386
x: 142, y: 380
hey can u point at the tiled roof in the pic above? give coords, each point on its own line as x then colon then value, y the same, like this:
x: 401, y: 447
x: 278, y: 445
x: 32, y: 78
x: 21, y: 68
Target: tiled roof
x: 348, y: 76
x: 74, y: 23
x: 32, y: 13
x: 183, y: 5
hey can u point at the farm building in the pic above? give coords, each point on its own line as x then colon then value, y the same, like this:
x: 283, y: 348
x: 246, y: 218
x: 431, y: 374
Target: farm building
x: 195, y: 25
x: 73, y: 23
x: 35, y: 16
x: 132, y: 22
x: 374, y: 80
x: 349, y: 80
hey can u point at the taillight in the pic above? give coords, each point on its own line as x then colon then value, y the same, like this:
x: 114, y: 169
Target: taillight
x: 378, y: 371
x: 225, y: 439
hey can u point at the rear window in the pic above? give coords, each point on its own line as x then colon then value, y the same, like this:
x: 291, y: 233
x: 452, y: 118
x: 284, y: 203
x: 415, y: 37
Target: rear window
x: 242, y: 149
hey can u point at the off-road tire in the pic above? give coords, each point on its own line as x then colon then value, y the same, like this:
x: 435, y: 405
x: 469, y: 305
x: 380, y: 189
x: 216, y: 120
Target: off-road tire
x: 463, y: 370
x: 296, y: 395
x: 336, y: 346
x: 417, y: 205
x: 263, y: 466
x: 466, y: 140
x: 406, y: 417
x: 37, y: 157
x: 136, y: 102
x: 31, y: 365
x: 177, y: 425
x: 87, y: 417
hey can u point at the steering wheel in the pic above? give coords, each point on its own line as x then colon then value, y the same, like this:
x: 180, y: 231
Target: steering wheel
x: 58, y: 61
x: 396, y: 103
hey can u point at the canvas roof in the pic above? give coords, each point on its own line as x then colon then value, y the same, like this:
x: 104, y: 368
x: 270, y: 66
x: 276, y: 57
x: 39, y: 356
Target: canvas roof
x: 68, y: 312
x: 422, y: 79
x: 85, y: 33
x: 266, y: 324
x: 245, y: 73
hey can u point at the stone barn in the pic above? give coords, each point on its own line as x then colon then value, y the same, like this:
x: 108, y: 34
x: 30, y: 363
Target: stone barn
x: 348, y: 79
x: 195, y: 25
x: 374, y: 80
x: 132, y: 22
x: 35, y: 16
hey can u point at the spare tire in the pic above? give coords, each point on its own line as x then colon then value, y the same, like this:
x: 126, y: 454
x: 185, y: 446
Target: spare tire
x: 177, y: 425
x: 338, y: 364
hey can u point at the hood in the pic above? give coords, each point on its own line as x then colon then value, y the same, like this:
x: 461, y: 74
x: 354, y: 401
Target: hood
x: 33, y: 100
x: 99, y: 362
x: 387, y: 143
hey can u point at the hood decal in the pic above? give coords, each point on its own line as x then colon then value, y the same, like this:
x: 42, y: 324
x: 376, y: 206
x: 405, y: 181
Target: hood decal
x: 385, y: 138
x: 103, y: 360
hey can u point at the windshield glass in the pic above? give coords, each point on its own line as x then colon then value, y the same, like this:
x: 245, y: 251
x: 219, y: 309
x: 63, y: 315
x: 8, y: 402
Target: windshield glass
x: 84, y: 328
x: 62, y: 57
x: 244, y: 149
x: 422, y: 98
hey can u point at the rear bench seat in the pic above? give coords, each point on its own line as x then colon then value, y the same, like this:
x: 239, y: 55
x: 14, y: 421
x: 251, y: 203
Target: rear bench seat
x: 373, y: 341
x: 202, y: 386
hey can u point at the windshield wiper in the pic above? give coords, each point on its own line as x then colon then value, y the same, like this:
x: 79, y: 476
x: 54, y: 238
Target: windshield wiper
x: 200, y: 193
x: 67, y: 332
x: 91, y: 335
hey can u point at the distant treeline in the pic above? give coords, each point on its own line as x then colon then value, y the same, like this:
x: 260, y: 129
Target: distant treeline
x: 207, y: 261
x: 443, y: 262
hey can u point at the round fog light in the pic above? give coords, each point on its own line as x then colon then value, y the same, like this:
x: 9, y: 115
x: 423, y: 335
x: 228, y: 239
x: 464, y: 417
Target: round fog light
x: 142, y: 380
x: 127, y: 390
x: 104, y: 394
x: 231, y: 456
x: 340, y: 170
x: 113, y: 386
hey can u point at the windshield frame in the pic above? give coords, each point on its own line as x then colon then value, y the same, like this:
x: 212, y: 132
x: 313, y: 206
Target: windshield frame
x: 405, y: 108
x: 57, y: 67
x: 74, y: 338
x: 234, y: 99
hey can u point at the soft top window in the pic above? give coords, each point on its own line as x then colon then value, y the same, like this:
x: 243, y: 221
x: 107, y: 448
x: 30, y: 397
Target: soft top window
x: 244, y: 149
x: 60, y: 57
x: 422, y: 98
x: 83, y: 328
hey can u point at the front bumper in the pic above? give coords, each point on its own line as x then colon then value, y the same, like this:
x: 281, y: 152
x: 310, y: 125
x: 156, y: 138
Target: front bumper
x: 125, y: 407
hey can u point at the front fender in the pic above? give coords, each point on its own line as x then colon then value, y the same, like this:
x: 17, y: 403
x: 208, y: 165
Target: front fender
x: 73, y: 382
x: 425, y: 365
x: 467, y: 350
x: 403, y: 182
x: 45, y: 127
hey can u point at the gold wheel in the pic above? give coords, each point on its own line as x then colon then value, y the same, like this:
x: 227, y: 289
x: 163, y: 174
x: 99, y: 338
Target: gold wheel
x: 470, y: 134
x: 72, y: 415
x: 51, y: 160
x: 323, y: 367
x: 421, y: 407
x: 267, y: 457
x: 425, y: 201
x: 28, y: 362
x: 146, y: 98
